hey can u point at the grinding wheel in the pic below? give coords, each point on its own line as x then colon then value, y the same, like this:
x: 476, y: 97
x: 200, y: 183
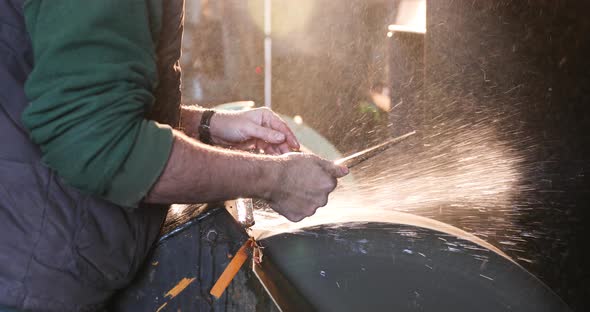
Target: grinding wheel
x: 414, y: 265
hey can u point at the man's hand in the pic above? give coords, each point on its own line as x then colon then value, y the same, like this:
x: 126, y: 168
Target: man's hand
x: 303, y: 185
x: 258, y: 128
x: 295, y: 184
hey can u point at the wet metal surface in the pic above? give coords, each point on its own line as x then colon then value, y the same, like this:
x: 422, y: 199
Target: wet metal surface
x: 396, y: 267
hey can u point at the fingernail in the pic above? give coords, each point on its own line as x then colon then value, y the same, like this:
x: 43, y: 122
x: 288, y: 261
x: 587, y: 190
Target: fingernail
x: 344, y: 169
x: 295, y: 146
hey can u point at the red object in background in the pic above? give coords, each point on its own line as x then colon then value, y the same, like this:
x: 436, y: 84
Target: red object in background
x: 258, y: 70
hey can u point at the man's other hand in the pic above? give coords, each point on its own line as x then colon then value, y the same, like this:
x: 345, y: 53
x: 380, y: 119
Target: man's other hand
x: 303, y: 185
x: 259, y: 128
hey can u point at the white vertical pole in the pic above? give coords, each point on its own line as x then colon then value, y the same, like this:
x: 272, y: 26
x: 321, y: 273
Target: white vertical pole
x: 267, y: 54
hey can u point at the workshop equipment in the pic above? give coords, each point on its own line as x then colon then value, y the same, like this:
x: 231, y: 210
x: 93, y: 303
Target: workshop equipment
x: 286, y: 298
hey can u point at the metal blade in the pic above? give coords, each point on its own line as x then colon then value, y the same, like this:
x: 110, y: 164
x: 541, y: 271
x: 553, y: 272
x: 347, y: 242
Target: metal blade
x: 357, y: 158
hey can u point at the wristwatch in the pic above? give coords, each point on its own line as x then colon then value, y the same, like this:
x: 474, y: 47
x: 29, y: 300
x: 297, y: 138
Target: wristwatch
x: 205, y: 128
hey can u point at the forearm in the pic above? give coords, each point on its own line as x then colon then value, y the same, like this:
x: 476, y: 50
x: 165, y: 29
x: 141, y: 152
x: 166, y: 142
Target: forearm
x: 190, y: 118
x: 197, y: 173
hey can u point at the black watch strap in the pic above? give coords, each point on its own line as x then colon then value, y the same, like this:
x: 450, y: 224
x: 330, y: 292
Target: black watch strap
x: 205, y: 128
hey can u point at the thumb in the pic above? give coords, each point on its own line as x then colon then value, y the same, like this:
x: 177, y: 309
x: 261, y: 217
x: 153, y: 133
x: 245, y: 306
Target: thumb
x: 265, y: 134
x: 337, y: 171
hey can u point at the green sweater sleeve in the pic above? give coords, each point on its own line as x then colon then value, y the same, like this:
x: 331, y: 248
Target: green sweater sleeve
x: 91, y: 85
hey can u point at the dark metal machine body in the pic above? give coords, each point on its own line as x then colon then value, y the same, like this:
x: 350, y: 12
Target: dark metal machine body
x: 197, y: 242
